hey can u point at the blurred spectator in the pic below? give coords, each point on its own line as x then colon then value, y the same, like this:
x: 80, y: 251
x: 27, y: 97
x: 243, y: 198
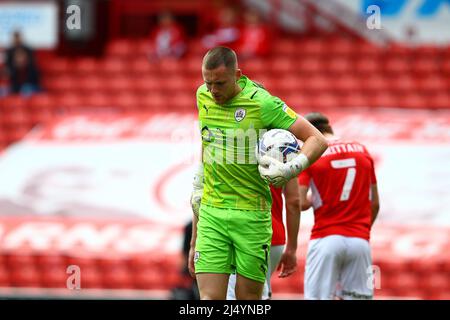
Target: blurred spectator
x: 168, y: 38
x: 21, y: 68
x: 226, y: 33
x: 255, y: 36
x: 3, y: 74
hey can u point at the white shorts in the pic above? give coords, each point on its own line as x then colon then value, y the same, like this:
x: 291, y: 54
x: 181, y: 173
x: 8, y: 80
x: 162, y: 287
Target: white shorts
x: 275, y: 256
x: 338, y: 267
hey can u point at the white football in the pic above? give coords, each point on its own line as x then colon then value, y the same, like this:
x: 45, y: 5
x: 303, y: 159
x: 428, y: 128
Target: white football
x: 279, y: 144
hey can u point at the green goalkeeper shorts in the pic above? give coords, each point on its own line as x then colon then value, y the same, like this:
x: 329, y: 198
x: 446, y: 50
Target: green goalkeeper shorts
x: 231, y: 240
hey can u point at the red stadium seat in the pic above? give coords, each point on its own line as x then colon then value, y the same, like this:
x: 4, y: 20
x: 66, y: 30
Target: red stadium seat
x: 56, y: 65
x: 284, y: 47
x: 67, y: 102
x: 170, y: 66
x: 25, y: 276
x: 142, y: 47
x: 282, y: 66
x: 62, y: 83
x: 173, y: 83
x: 114, y: 66
x: 184, y: 102
x: 402, y: 84
x: 82, y: 262
x: 121, y: 47
x: 445, y: 67
x: 109, y: 263
x: 440, y: 100
x: 196, y: 48
x: 366, y: 66
x: 310, y: 65
x: 287, y: 84
x: 347, y: 84
x: 424, y: 66
x: 251, y: 67
x: 119, y: 83
x: 399, y: 51
x: 434, y: 283
x: 340, y: 66
x: 432, y: 85
x: 127, y: 102
x: 405, y: 281
x: 117, y: 278
x: 154, y: 102
x: 313, y: 47
x: 374, y: 83
x: 15, y: 117
x: 42, y: 101
x: 414, y: 101
x: 91, y: 277
x: 354, y: 100
x: 146, y: 84
x: 325, y: 101
x: 428, y: 51
x: 369, y: 51
x: 17, y: 132
x: 141, y: 263
x: 383, y: 100
x: 85, y: 65
x: 193, y: 64
x: 142, y: 66
x: 318, y: 84
x: 4, y: 277
x: 343, y: 47
x: 13, y: 102
x: 97, y: 100
x: 149, y: 280
x: 56, y: 276
x: 396, y: 66
x: 50, y: 260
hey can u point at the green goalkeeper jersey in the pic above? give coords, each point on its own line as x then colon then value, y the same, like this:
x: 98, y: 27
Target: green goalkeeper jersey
x: 229, y: 136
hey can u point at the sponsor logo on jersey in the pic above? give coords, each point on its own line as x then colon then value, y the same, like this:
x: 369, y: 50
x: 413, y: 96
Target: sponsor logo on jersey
x: 291, y: 113
x: 207, y: 135
x: 240, y: 114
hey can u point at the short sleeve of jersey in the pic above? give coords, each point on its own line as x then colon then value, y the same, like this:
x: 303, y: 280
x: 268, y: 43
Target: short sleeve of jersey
x: 197, y: 95
x: 304, y: 178
x: 276, y: 114
x: 373, y: 177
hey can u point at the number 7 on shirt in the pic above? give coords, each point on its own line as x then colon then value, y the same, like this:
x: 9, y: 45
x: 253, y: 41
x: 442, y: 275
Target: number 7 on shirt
x: 350, y: 165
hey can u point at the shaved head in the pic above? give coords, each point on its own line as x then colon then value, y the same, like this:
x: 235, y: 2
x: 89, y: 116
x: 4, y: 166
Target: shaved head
x: 220, y: 56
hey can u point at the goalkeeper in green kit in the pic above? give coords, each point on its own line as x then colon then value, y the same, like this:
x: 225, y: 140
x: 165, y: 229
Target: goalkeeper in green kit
x: 231, y: 201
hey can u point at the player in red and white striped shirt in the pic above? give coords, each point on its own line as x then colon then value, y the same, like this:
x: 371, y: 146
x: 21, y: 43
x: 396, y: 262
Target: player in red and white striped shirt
x: 344, y: 197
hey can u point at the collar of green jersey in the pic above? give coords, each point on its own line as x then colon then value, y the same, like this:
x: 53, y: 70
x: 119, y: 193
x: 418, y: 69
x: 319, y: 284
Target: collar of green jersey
x: 242, y: 82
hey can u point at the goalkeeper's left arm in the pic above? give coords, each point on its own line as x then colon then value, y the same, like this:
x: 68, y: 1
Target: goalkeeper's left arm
x: 196, y: 199
x: 197, y: 191
x: 315, y: 144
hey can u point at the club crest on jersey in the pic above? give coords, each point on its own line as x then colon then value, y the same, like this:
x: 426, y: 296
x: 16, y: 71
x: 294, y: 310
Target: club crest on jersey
x: 196, y: 256
x: 239, y: 114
